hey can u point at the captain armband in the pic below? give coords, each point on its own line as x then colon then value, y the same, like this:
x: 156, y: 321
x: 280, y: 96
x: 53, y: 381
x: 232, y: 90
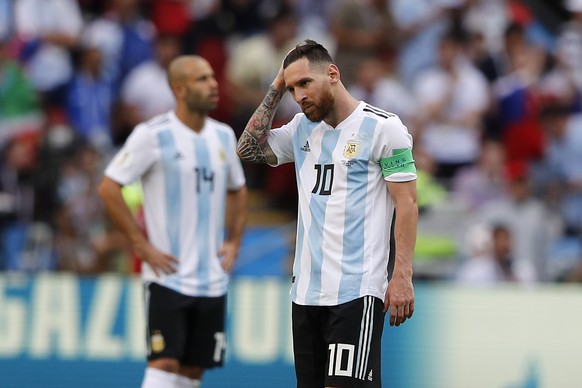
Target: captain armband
x: 400, y: 161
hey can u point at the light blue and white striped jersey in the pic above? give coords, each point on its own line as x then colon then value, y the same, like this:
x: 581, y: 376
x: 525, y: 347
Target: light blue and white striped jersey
x: 185, y: 176
x: 345, y: 210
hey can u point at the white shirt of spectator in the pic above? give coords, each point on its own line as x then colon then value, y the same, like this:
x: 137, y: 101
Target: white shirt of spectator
x: 448, y: 143
x: 146, y: 88
x: 50, y: 66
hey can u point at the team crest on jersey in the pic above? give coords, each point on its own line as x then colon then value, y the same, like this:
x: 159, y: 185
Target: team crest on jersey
x: 157, y: 342
x: 222, y: 155
x: 351, y: 150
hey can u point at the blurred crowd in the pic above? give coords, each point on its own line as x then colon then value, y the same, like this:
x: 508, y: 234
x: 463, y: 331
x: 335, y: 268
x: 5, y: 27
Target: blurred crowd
x: 491, y: 91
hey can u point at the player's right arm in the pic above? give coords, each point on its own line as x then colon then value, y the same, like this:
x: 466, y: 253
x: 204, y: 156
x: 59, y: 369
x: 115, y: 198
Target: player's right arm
x: 252, y: 144
x: 117, y: 209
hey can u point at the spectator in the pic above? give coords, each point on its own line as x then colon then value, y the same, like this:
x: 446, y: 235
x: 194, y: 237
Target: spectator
x: 489, y: 258
x: 255, y: 61
x: 85, y: 243
x: 563, y: 162
x: 20, y: 110
x: 477, y: 185
x: 250, y: 69
x: 124, y: 36
x: 17, y: 191
x: 145, y: 92
x: 377, y: 83
x: 49, y: 29
x: 420, y: 24
x: 453, y: 98
x: 90, y: 98
x: 533, y: 228
x: 517, y: 99
x: 564, y: 80
x: 362, y: 30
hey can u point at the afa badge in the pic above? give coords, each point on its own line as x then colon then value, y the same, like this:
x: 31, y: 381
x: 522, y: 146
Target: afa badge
x: 351, y: 150
x: 157, y: 342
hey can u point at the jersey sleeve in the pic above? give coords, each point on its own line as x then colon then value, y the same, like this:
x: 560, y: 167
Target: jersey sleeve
x: 136, y: 156
x: 281, y: 141
x: 394, y: 152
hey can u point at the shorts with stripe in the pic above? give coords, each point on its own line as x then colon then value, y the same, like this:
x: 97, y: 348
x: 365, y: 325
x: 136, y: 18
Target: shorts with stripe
x: 338, y: 346
x: 189, y: 329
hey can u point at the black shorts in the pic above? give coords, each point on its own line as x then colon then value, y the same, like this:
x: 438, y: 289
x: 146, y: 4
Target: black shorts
x: 189, y: 329
x: 338, y: 346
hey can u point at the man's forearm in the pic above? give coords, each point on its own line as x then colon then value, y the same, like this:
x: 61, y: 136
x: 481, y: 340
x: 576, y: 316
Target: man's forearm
x: 252, y: 145
x: 405, y: 236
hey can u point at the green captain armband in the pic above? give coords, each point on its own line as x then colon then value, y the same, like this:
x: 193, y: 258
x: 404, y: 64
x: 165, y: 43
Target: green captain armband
x: 400, y: 161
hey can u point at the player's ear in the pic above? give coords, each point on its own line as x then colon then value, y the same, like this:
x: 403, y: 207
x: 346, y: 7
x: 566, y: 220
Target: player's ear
x: 333, y: 73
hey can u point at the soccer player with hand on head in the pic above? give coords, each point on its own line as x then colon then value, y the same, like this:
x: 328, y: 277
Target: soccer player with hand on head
x: 357, y: 218
x: 191, y: 176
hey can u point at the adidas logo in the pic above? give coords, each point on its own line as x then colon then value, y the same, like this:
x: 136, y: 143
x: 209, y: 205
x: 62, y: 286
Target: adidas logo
x: 370, y: 375
x: 306, y: 148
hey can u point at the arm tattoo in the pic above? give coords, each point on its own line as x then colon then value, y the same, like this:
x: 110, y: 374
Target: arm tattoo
x: 252, y: 145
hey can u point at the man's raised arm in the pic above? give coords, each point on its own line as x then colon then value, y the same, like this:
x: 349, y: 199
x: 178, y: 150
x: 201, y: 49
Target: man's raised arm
x: 252, y: 145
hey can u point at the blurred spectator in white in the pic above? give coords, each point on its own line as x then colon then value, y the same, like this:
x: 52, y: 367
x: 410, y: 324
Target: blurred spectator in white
x: 453, y: 97
x: 489, y: 258
x: 420, y: 23
x: 492, y: 27
x: 124, y: 36
x: 90, y: 97
x: 377, y: 83
x: 20, y: 110
x: 255, y: 61
x: 145, y: 92
x: 563, y: 162
x: 484, y: 182
x: 533, y: 227
x: 48, y: 30
x: 362, y: 30
x: 564, y: 81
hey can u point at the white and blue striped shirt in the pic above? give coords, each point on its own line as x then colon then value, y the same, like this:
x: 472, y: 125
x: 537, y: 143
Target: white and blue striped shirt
x: 185, y: 176
x: 345, y: 210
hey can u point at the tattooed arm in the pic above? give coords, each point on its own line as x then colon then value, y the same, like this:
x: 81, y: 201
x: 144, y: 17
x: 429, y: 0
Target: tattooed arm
x: 252, y: 145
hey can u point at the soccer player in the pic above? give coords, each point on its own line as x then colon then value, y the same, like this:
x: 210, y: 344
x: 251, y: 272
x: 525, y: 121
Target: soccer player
x: 191, y: 176
x: 357, y: 218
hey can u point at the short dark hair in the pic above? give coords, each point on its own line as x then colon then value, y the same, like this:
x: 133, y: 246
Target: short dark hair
x: 310, y: 49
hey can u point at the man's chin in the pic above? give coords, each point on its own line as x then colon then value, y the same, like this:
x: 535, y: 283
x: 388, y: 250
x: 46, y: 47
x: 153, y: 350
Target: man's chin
x: 312, y: 117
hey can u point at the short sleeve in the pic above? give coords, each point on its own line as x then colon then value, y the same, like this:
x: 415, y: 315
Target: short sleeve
x: 281, y: 141
x: 136, y: 156
x: 394, y: 151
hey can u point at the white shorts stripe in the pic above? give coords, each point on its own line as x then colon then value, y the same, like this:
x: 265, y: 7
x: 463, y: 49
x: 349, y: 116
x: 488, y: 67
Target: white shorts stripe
x: 365, y: 337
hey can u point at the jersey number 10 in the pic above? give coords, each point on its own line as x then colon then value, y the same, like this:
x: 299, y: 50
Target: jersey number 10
x: 324, y: 180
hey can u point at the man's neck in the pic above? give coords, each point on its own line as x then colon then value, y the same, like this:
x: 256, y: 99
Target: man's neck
x: 193, y: 120
x: 344, y: 106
